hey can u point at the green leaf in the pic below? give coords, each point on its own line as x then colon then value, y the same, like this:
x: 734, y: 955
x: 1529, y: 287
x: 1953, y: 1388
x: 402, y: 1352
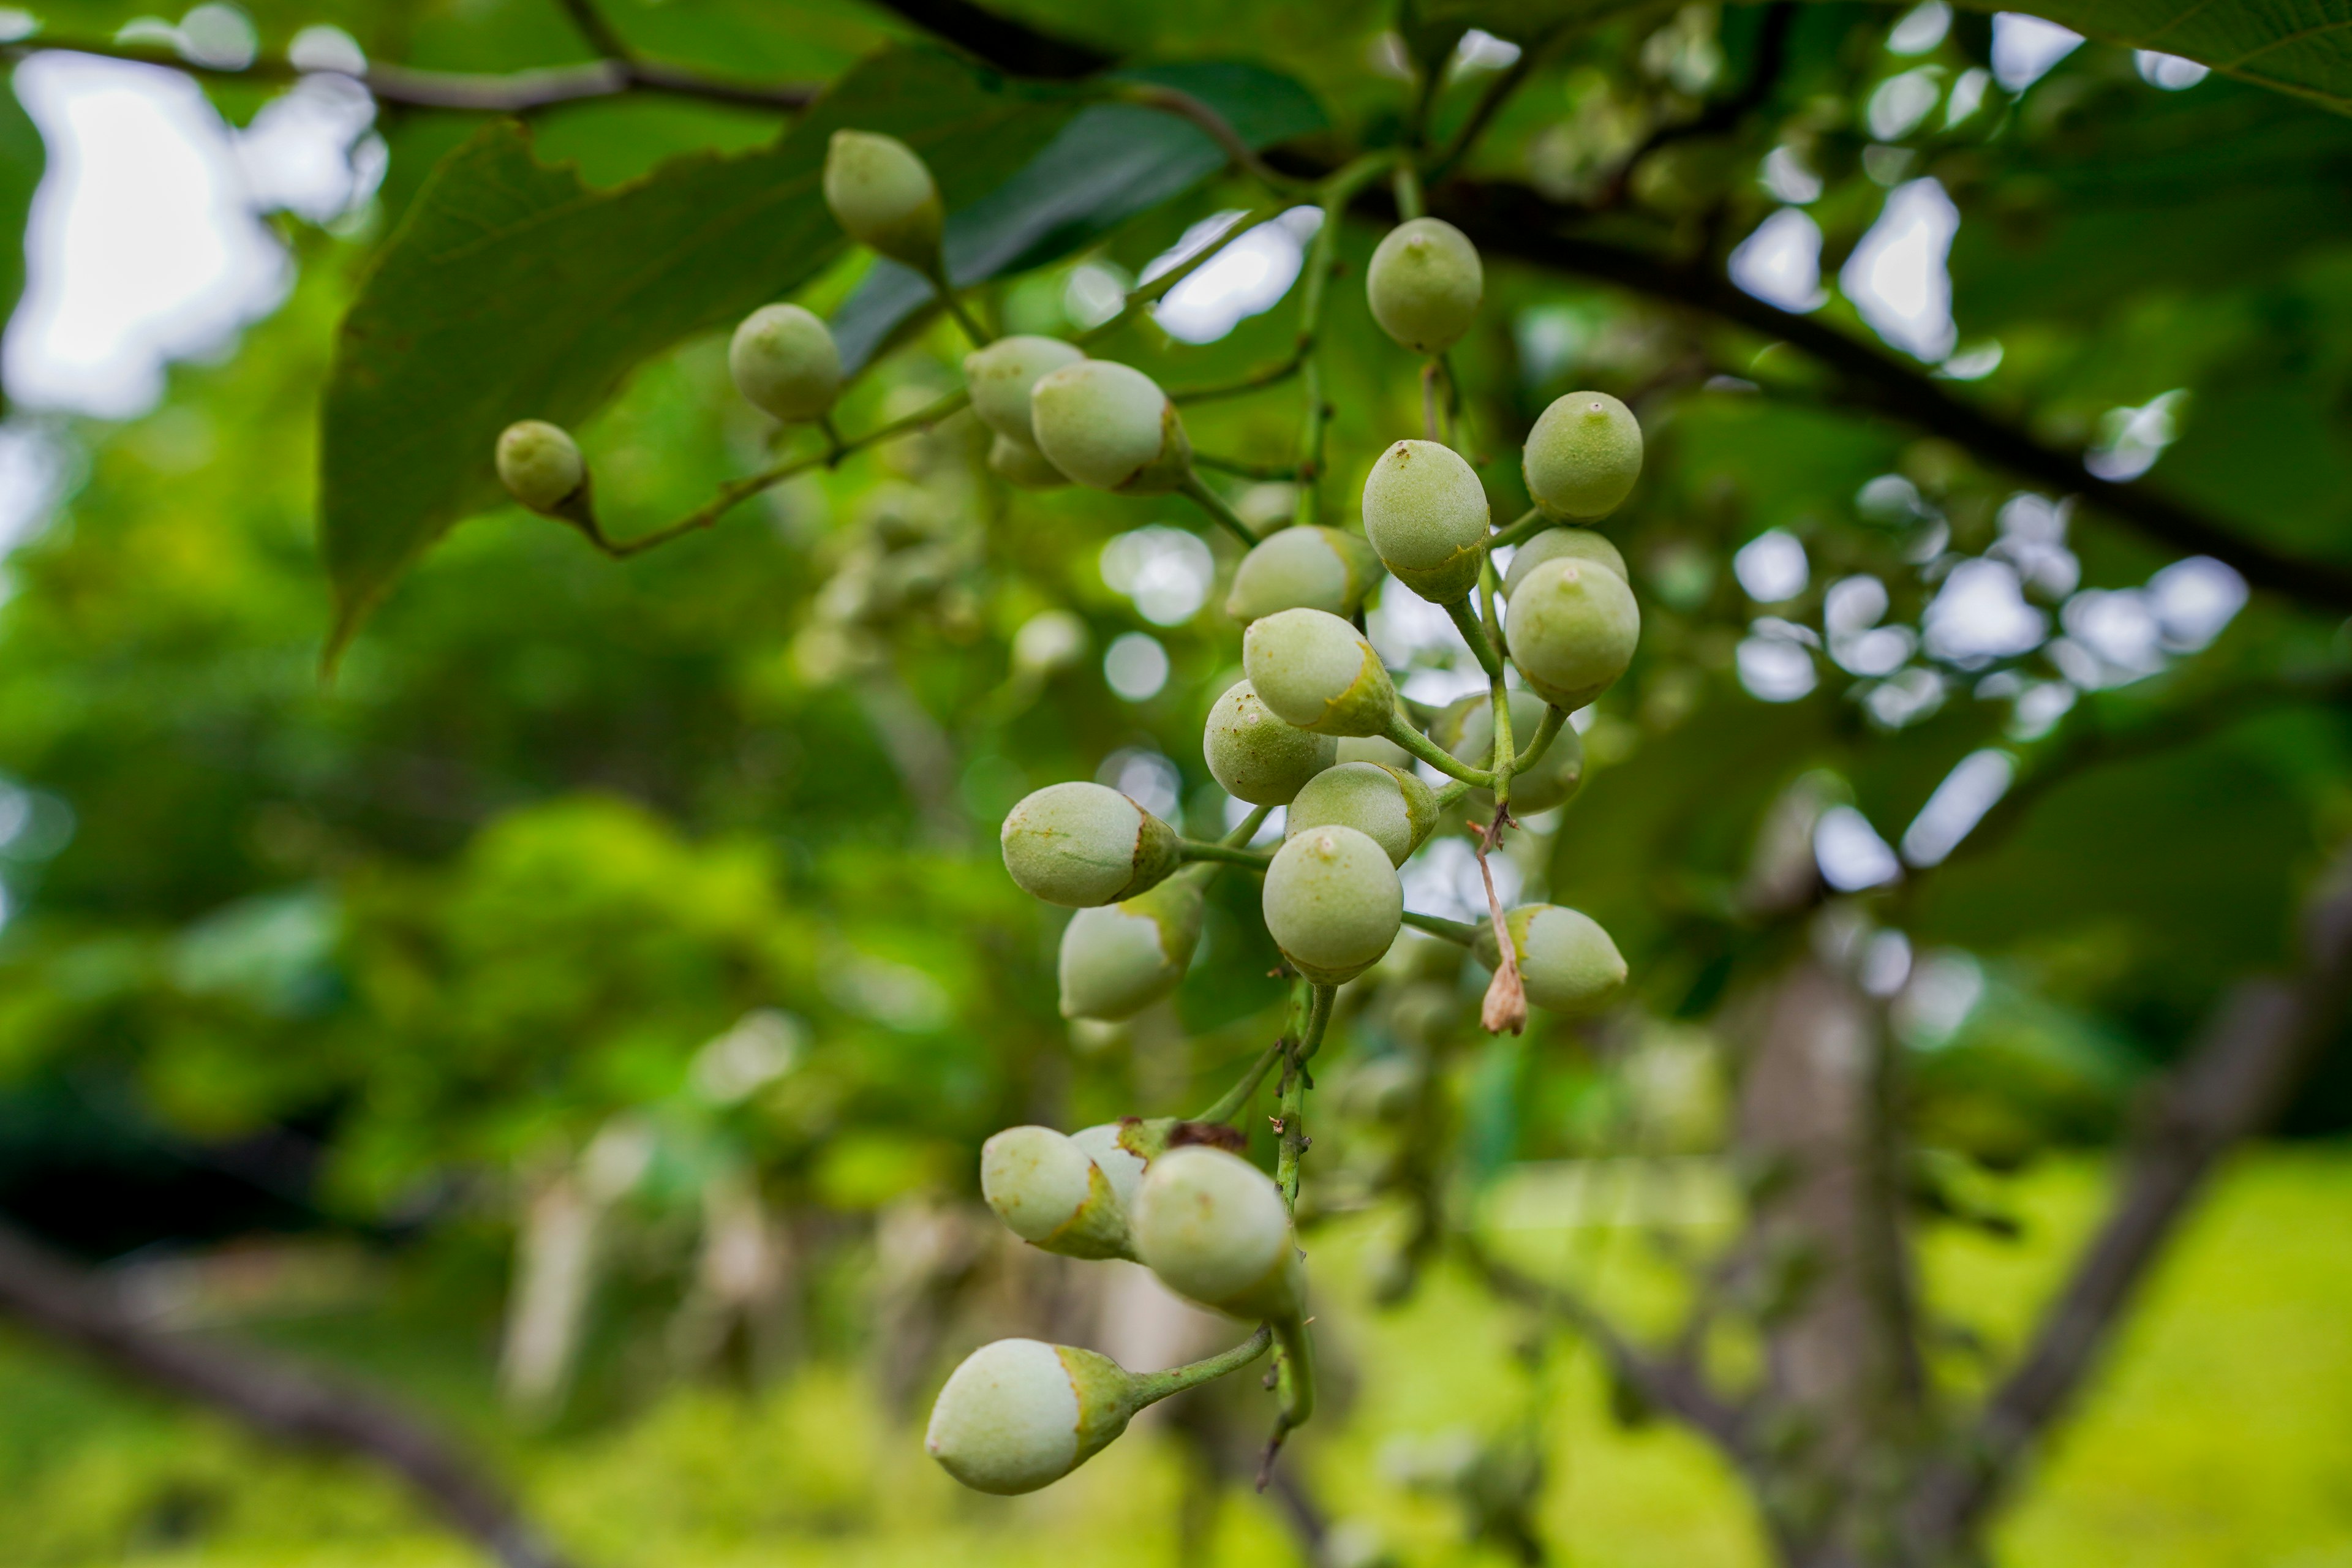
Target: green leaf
x: 1109, y: 163
x: 22, y: 158
x: 511, y: 290
x: 2300, y: 47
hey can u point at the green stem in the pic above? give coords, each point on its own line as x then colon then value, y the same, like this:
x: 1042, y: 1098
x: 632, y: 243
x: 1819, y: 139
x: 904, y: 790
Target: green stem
x: 1448, y: 794
x: 1230, y: 1103
x: 1322, y: 259
x: 1294, y: 1376
x: 1210, y: 501
x: 1408, y: 190
x: 1247, y: 829
x: 1465, y: 621
x: 1454, y: 931
x: 1292, y: 1145
x: 1505, y: 758
x: 1527, y: 524
x: 1151, y: 1387
x: 1270, y: 375
x: 1545, y: 733
x: 946, y: 292
x: 1436, y: 756
x: 1145, y: 295
x: 1240, y: 470
x: 1256, y: 860
x: 736, y: 491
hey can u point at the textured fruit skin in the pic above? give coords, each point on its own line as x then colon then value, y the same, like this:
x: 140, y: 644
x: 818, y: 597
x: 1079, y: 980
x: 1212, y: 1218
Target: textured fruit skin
x: 785, y: 362
x: 1426, y: 515
x: 1001, y: 375
x: 1017, y: 463
x: 883, y: 197
x: 1214, y: 1228
x: 1390, y: 805
x: 1332, y: 903
x: 1581, y: 543
x: 1117, y: 960
x: 1316, y: 672
x: 1020, y: 1413
x: 540, y: 464
x: 1256, y: 756
x: 1582, y: 457
x: 1105, y: 1143
x: 1466, y: 728
x: 1565, y: 960
x: 1425, y: 283
x: 1303, y: 569
x: 1051, y: 1194
x: 1109, y: 427
x: 1082, y: 845
x: 1573, y: 627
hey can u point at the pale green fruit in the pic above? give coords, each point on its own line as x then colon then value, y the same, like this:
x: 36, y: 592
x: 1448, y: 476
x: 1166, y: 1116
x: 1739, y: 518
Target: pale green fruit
x: 1582, y: 457
x: 540, y: 464
x: 1581, y: 543
x: 1390, y: 805
x: 999, y: 377
x: 883, y: 197
x: 1020, y: 1413
x: 1107, y: 1145
x: 1256, y: 756
x: 1332, y: 903
x: 1214, y: 1228
x: 1109, y: 427
x: 1426, y: 514
x: 1120, y: 959
x: 1051, y: 1194
x: 1083, y: 844
x: 1573, y: 627
x: 785, y: 362
x: 1565, y: 960
x: 1316, y: 672
x: 1466, y: 728
x: 1425, y: 284
x: 1303, y: 569
x: 1017, y: 463
x: 1375, y: 749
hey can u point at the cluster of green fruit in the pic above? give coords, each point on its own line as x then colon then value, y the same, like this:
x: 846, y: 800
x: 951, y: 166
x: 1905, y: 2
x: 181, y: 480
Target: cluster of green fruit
x: 1316, y: 727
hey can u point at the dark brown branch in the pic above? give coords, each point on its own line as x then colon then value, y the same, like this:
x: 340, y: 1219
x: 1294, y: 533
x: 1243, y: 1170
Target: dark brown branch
x: 1511, y: 220
x: 280, y: 1401
x: 1671, y: 1385
x: 519, y: 93
x: 2255, y: 1048
x: 596, y: 31
x: 1009, y: 45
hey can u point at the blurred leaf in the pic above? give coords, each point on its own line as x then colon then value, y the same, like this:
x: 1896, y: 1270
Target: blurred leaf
x: 1110, y: 162
x: 22, y: 158
x: 513, y: 291
x: 2298, y: 49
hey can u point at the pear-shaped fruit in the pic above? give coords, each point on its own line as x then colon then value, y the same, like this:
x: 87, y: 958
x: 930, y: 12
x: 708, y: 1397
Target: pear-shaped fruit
x: 1390, y: 805
x: 1426, y: 514
x: 785, y: 363
x: 1119, y: 959
x: 1582, y: 457
x: 1214, y: 1228
x: 1425, y: 283
x: 1001, y: 376
x: 1572, y: 628
x: 1017, y: 463
x: 883, y: 195
x: 1332, y: 903
x: 1020, y: 1413
x: 1304, y: 569
x: 1256, y: 756
x: 1083, y: 844
x: 1565, y: 960
x: 1316, y: 672
x: 1050, y: 1193
x: 1109, y: 427
x: 540, y: 464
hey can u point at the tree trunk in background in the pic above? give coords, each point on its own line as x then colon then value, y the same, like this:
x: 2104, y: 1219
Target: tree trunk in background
x: 1830, y: 1267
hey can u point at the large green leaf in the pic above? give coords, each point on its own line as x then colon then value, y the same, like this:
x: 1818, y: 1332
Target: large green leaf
x: 22, y: 158
x: 1109, y: 163
x: 511, y: 290
x: 2302, y: 47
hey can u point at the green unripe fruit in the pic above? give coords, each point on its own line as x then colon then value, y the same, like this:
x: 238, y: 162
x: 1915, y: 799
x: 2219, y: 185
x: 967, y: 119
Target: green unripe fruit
x: 1019, y: 463
x: 1105, y: 1144
x: 1303, y: 569
x: 1051, y: 1194
x: 1466, y: 728
x: 1083, y: 844
x: 1425, y: 284
x: 1565, y: 960
x: 1582, y: 457
x: 1256, y: 756
x: 785, y: 363
x: 883, y: 197
x: 1426, y: 514
x: 1109, y: 427
x: 540, y: 464
x: 1573, y: 627
x: 1120, y: 959
x: 1578, y: 544
x: 1020, y: 1413
x: 1001, y: 375
x: 1214, y: 1228
x: 1390, y: 805
x: 1333, y: 903
x: 1316, y: 672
